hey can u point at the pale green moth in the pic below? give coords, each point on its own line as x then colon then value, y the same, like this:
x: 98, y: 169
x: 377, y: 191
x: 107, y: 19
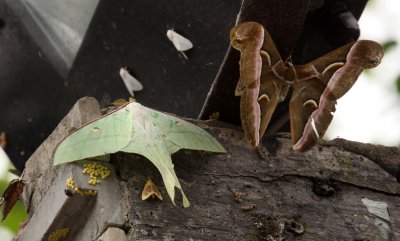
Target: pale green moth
x: 134, y: 128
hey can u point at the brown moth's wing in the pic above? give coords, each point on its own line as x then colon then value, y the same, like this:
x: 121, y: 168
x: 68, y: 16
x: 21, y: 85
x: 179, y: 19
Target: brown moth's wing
x: 150, y: 189
x: 304, y: 102
x: 271, y: 88
x: 147, y: 190
x: 271, y: 81
x: 157, y: 192
x: 11, y: 196
x: 270, y: 47
x: 328, y: 63
x: 250, y: 115
x: 310, y: 82
x: 363, y: 54
x: 239, y: 88
x: 248, y: 37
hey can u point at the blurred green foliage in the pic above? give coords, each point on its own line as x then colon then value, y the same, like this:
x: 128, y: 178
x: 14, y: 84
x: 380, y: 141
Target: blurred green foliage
x: 389, y: 45
x: 398, y: 84
x: 17, y: 214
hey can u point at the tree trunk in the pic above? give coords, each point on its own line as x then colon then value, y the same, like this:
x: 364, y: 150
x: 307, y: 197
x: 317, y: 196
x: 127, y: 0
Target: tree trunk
x: 339, y: 190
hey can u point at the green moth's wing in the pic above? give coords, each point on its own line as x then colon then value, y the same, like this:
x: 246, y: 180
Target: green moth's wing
x: 181, y: 134
x: 108, y: 134
x: 157, y: 135
x: 148, y: 142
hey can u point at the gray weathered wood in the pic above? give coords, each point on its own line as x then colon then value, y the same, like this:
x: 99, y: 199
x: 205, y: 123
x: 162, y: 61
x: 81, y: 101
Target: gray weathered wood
x: 50, y: 208
x: 234, y: 196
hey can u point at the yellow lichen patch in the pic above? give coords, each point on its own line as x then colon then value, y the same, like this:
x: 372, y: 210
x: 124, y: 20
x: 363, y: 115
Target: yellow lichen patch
x: 71, y: 184
x: 96, y: 172
x: 86, y: 192
x: 57, y: 234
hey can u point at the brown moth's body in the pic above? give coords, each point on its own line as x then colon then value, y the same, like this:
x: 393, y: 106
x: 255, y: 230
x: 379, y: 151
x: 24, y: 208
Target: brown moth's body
x: 265, y: 79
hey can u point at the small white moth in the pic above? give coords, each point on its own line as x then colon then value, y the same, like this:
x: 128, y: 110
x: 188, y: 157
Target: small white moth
x: 181, y: 43
x: 131, y: 83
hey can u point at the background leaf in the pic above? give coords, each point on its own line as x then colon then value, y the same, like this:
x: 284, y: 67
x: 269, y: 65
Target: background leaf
x: 398, y: 84
x: 389, y: 45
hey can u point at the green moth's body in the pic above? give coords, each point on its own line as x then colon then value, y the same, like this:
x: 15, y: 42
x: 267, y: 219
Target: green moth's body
x: 134, y: 128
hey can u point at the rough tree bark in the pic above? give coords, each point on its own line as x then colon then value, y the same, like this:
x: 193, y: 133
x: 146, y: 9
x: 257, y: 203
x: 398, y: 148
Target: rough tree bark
x: 340, y: 190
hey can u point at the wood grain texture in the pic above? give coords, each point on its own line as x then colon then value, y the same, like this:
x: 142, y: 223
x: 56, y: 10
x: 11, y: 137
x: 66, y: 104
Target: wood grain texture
x: 321, y: 189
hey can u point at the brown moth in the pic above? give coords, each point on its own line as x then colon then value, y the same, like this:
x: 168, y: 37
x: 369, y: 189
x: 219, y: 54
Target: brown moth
x: 11, y: 195
x: 265, y: 79
x: 150, y: 189
x: 249, y: 40
x: 363, y: 54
